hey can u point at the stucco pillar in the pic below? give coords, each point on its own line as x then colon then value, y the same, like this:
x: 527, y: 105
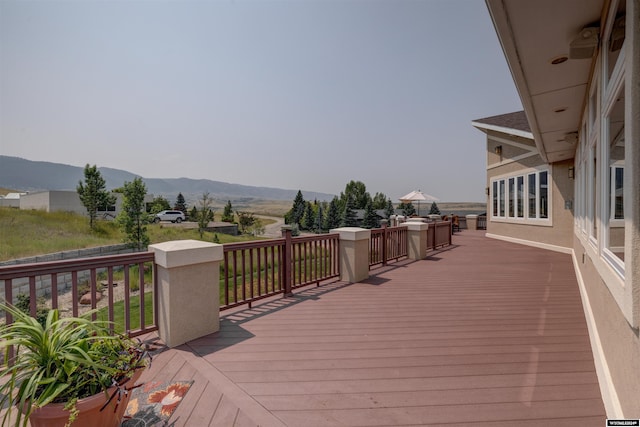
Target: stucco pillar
x: 417, y: 239
x: 188, y: 273
x: 354, y: 253
x: 472, y: 222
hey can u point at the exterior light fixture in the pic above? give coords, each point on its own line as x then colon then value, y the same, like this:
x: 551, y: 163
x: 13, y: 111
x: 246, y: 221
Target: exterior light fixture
x: 572, y: 172
x: 584, y: 45
x: 498, y: 150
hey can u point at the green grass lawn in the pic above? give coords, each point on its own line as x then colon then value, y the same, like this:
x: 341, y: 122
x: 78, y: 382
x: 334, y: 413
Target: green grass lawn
x: 25, y: 233
x: 134, y: 308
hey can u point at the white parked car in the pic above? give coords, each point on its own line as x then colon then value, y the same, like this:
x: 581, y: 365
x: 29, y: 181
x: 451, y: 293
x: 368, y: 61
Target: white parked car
x: 173, y: 216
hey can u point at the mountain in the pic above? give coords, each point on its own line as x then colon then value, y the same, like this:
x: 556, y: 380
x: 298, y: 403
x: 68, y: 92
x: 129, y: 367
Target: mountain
x: 27, y: 175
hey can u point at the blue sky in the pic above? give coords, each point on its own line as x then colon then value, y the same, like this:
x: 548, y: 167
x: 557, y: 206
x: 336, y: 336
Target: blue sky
x: 290, y: 94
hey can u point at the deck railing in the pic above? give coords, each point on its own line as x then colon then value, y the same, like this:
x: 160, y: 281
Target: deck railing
x: 255, y: 270
x: 250, y: 271
x: 59, y: 283
x: 387, y: 244
x: 439, y: 234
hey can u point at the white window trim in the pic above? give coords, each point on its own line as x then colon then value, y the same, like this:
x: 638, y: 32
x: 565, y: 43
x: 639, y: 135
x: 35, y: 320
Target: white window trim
x: 525, y: 220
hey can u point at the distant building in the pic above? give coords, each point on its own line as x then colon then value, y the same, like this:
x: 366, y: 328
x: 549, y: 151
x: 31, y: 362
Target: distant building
x: 11, y: 200
x: 69, y: 201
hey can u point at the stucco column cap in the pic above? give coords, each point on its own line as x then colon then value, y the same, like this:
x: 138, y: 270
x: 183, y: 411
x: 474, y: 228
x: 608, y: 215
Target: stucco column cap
x: 352, y: 233
x: 179, y: 253
x: 415, y: 225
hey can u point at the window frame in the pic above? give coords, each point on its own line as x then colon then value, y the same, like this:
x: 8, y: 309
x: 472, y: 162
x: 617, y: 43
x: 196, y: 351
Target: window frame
x: 514, y: 206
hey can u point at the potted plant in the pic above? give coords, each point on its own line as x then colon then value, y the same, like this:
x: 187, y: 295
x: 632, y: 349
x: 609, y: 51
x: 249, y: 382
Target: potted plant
x: 66, y: 366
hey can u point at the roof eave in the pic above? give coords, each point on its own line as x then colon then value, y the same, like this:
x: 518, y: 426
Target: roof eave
x: 505, y: 36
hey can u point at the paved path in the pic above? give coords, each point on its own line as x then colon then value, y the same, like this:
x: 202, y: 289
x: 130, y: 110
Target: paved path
x: 272, y: 230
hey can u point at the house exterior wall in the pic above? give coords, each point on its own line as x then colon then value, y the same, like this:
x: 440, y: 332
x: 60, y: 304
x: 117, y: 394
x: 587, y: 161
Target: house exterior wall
x: 518, y: 156
x: 614, y: 295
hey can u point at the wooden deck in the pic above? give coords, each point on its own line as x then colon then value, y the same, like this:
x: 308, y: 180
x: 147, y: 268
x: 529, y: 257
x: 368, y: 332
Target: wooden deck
x: 486, y: 332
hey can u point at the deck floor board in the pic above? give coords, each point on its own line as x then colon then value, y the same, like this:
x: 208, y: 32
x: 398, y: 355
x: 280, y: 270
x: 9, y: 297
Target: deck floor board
x: 484, y: 332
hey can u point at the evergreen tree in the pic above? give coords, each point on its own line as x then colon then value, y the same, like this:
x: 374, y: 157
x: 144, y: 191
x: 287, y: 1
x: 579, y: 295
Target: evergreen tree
x: 434, y: 209
x: 309, y: 217
x: 295, y: 214
x: 389, y: 210
x: 193, y: 214
x: 93, y: 193
x: 133, y: 218
x: 349, y: 214
x: 317, y: 227
x: 370, y: 217
x: 227, y: 214
x: 332, y: 219
x: 407, y: 209
x: 180, y: 204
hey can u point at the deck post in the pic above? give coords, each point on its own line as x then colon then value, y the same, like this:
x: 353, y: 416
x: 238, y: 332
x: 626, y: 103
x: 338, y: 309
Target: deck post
x: 354, y: 253
x: 188, y: 289
x: 287, y: 270
x: 417, y: 233
x: 472, y: 222
x: 385, y: 238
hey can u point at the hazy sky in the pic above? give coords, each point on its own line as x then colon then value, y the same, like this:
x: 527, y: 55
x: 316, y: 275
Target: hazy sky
x: 290, y: 94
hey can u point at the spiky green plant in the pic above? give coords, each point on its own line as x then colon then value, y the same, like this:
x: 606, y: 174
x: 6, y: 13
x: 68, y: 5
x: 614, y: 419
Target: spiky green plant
x: 64, y: 360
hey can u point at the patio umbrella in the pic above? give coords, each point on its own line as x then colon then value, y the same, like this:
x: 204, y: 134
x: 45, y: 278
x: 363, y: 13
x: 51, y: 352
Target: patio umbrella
x: 418, y: 196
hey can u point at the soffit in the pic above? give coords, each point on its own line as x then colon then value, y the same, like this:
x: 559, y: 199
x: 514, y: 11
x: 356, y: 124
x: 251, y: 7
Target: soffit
x: 532, y: 34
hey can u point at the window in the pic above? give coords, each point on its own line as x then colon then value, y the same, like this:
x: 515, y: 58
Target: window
x: 617, y: 194
x: 522, y: 197
x: 614, y: 155
x: 512, y: 193
x: 543, y: 192
x: 532, y: 195
x: 501, y: 195
x: 494, y: 212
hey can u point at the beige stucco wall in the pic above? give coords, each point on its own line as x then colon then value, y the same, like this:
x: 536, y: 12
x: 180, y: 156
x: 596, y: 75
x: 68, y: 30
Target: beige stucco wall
x: 619, y: 341
x: 560, y: 230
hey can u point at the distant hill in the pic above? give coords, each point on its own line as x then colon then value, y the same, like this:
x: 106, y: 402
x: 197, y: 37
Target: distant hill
x: 27, y: 175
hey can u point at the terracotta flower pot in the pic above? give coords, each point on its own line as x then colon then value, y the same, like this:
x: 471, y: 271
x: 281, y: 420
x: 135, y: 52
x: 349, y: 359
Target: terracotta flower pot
x: 89, y: 413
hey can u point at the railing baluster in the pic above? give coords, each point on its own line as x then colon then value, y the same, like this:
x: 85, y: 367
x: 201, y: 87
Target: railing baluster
x: 127, y: 304
x: 141, y: 295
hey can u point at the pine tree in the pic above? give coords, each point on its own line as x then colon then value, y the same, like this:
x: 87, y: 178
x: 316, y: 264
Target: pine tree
x: 227, y: 214
x: 407, y: 209
x: 193, y: 214
x: 93, y: 193
x: 389, y: 210
x: 349, y: 214
x: 370, y: 217
x: 133, y: 218
x: 295, y: 214
x: 180, y: 204
x: 317, y: 227
x: 309, y: 217
x: 332, y: 219
x: 434, y: 209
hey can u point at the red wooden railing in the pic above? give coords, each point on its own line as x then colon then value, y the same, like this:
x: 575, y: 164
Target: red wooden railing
x: 255, y: 270
x: 387, y: 244
x: 47, y: 279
